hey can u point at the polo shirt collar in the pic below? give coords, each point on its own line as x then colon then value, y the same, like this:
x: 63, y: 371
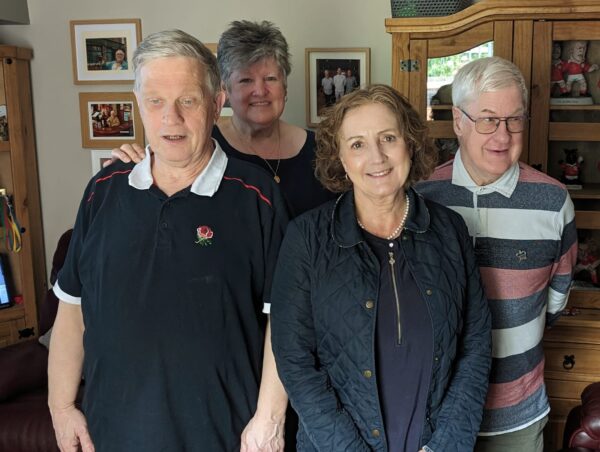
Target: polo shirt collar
x: 505, y: 185
x: 206, y: 184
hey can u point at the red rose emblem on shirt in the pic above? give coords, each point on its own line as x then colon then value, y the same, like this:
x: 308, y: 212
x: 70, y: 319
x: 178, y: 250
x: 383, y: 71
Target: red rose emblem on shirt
x: 204, y: 234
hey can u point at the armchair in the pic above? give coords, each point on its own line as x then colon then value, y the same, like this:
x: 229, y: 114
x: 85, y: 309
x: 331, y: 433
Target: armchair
x: 582, y: 431
x: 25, y: 422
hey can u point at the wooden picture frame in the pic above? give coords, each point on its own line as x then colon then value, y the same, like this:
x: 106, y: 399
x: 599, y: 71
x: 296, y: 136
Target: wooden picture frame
x: 226, y: 110
x: 99, y: 129
x: 102, y: 50
x: 99, y: 156
x: 357, y: 60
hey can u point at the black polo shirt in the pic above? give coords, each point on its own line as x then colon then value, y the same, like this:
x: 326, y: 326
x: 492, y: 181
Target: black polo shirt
x: 172, y: 290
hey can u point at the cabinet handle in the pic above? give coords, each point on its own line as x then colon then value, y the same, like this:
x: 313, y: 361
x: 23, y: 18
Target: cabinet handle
x: 569, y: 362
x: 26, y: 332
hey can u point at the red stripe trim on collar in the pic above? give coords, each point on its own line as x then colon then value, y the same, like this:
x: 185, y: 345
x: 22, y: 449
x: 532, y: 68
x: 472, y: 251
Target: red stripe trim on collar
x: 250, y: 187
x: 102, y: 179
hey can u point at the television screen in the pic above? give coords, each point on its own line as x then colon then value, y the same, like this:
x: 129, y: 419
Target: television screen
x: 4, y: 285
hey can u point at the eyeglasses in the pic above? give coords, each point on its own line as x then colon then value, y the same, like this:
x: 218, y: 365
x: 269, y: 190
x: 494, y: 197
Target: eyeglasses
x: 488, y: 125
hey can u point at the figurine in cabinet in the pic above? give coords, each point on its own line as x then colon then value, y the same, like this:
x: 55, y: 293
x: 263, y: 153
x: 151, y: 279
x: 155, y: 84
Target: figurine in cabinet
x: 447, y: 147
x: 576, y: 66
x: 3, y: 124
x: 3, y: 128
x: 588, y: 261
x: 571, y: 166
x: 558, y: 86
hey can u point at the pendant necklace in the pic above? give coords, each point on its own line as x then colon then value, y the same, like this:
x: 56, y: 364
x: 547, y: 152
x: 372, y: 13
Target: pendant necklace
x: 276, y: 178
x: 396, y: 231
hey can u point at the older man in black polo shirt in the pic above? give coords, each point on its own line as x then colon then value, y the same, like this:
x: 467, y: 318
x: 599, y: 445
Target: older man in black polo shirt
x: 162, y: 290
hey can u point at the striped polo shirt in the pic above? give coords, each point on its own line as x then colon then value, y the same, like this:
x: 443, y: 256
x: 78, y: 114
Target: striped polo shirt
x: 523, y: 229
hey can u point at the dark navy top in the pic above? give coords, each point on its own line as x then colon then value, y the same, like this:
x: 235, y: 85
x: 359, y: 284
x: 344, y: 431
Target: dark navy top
x: 404, y: 348
x: 172, y: 291
x: 301, y: 190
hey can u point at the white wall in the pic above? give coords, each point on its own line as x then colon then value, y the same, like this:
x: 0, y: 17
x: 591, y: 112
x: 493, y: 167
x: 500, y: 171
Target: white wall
x: 65, y: 167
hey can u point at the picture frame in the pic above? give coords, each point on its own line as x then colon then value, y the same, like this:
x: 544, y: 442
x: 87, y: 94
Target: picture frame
x: 226, y: 110
x: 102, y: 49
x: 100, y: 129
x: 357, y: 60
x: 99, y: 156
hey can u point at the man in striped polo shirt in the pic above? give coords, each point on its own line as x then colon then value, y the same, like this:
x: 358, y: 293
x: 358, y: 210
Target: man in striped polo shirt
x: 523, y: 229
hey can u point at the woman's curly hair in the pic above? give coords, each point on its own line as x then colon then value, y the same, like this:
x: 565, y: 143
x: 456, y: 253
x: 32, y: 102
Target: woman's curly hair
x: 328, y: 166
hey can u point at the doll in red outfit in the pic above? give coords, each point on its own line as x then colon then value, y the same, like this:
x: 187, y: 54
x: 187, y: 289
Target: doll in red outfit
x: 587, y: 260
x: 571, y: 167
x: 557, y: 74
x: 576, y: 66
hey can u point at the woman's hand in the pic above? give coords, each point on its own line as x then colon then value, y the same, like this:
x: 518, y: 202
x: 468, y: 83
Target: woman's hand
x: 126, y: 153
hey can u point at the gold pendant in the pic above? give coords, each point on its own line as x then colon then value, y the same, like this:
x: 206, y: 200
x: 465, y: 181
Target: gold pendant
x: 277, y: 179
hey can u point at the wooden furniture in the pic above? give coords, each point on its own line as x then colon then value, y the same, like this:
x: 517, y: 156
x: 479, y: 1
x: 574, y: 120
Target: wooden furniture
x: 19, y: 176
x: 523, y: 32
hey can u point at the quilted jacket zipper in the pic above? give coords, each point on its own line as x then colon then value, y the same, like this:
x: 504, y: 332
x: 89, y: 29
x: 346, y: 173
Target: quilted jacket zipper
x: 392, y: 261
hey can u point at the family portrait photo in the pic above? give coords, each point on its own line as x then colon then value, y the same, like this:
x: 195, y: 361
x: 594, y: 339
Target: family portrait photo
x: 332, y: 73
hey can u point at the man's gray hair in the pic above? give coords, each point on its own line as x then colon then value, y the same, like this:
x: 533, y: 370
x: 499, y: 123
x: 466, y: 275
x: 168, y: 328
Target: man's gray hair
x: 176, y: 43
x: 486, y: 75
x: 245, y: 42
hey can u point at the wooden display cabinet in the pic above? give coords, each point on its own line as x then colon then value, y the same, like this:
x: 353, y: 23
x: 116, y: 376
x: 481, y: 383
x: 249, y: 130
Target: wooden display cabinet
x: 523, y: 32
x: 19, y: 177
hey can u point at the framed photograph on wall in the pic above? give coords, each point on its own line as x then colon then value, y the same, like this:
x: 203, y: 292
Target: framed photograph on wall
x: 109, y: 120
x: 226, y: 110
x: 99, y: 156
x: 332, y: 73
x: 102, y: 49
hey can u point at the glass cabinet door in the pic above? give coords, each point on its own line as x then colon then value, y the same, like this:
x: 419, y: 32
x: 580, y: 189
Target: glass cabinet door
x: 565, y: 133
x: 424, y: 64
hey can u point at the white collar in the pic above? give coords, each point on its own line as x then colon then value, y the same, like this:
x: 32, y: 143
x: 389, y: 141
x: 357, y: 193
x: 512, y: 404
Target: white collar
x: 505, y: 185
x: 205, y: 184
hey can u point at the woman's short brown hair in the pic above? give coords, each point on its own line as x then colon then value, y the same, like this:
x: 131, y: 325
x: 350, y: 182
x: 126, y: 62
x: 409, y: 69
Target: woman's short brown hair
x: 328, y: 167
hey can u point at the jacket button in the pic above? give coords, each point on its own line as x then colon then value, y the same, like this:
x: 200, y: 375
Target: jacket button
x: 367, y: 373
x: 429, y: 291
x: 436, y: 359
x: 404, y: 237
x: 375, y: 433
x: 369, y: 304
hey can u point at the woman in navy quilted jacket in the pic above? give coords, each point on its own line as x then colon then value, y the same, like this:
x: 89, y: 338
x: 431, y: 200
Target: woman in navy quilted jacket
x: 380, y: 327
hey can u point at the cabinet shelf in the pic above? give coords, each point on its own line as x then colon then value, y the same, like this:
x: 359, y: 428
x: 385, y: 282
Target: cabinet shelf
x: 575, y: 107
x: 574, y: 131
x: 589, y: 191
x: 587, y: 219
x: 12, y: 313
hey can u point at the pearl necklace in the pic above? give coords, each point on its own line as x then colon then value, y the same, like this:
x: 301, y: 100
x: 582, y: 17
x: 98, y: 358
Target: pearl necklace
x: 396, y: 231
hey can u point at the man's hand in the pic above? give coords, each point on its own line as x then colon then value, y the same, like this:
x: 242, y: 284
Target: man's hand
x: 263, y: 435
x: 126, y: 153
x: 70, y: 428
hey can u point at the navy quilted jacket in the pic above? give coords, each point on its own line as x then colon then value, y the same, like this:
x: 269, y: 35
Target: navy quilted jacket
x: 323, y: 316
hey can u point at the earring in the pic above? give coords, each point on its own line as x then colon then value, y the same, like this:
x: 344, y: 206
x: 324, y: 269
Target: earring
x: 346, y: 176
